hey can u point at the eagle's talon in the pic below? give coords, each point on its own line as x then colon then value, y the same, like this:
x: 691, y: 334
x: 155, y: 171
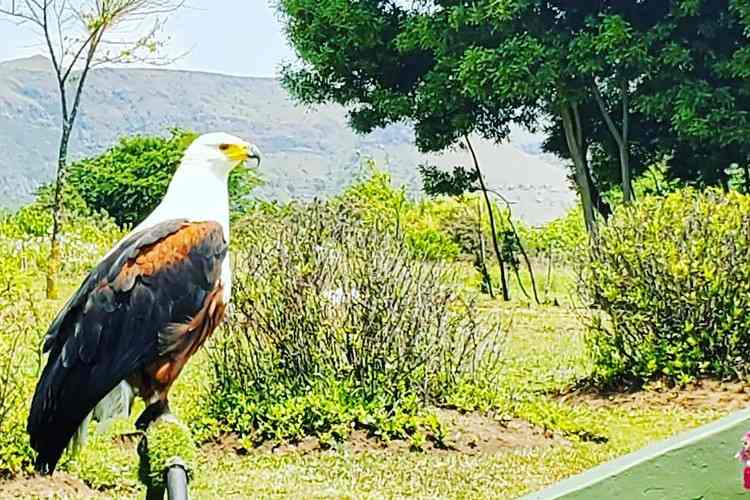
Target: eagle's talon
x: 151, y: 414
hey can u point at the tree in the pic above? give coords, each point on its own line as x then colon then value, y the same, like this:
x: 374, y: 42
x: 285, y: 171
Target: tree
x: 129, y: 180
x: 451, y: 69
x: 706, y: 104
x: 621, y: 83
x: 79, y: 35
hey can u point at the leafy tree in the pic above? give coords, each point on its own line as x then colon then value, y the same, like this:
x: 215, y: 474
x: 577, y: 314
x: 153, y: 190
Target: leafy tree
x: 621, y: 83
x: 449, y: 68
x: 130, y: 180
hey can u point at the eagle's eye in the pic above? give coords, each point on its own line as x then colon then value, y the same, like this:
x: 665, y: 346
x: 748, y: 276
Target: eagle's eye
x: 224, y: 147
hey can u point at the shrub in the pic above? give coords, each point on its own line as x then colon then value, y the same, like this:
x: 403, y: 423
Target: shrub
x: 24, y: 249
x: 335, y: 322
x: 672, y: 277
x: 561, y: 240
x: 19, y: 357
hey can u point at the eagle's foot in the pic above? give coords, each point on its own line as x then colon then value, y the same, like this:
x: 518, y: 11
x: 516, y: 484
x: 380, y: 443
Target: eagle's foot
x: 151, y: 413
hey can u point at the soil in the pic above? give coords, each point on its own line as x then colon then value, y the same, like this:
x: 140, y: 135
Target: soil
x: 473, y: 433
x: 715, y: 394
x: 469, y: 433
x: 60, y: 486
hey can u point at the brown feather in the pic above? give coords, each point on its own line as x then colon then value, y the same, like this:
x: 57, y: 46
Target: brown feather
x: 185, y: 340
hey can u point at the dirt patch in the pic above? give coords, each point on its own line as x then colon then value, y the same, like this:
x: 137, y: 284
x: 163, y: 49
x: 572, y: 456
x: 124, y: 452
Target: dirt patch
x: 477, y: 433
x: 701, y: 395
x: 60, y: 486
x: 469, y: 433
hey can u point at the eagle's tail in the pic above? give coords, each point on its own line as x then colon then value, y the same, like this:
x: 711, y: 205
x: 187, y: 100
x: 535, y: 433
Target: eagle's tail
x: 53, y: 420
x: 59, y: 412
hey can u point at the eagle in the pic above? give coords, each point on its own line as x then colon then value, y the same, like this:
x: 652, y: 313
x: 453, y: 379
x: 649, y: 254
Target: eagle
x: 145, y: 309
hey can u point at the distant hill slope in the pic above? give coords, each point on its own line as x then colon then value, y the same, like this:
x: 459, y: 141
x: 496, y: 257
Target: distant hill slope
x: 308, y: 153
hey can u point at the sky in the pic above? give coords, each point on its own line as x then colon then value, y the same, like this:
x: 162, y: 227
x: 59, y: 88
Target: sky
x: 235, y: 37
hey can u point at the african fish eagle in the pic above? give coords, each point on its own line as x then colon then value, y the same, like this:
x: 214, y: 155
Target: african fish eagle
x: 146, y: 308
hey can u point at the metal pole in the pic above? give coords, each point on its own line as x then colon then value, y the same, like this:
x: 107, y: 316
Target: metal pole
x: 177, y: 483
x: 177, y: 486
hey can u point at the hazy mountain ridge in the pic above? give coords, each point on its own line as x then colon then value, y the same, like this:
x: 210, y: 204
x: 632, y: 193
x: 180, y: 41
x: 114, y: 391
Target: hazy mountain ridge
x: 307, y: 152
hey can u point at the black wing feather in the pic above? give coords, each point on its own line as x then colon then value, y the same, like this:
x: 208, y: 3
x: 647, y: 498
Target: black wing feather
x: 110, y: 328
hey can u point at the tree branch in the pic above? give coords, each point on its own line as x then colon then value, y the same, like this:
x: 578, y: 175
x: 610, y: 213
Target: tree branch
x: 625, y: 111
x: 498, y: 255
x: 607, y: 117
x: 78, y: 54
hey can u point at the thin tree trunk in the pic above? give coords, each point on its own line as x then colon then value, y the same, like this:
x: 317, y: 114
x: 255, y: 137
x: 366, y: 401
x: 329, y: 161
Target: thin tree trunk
x: 746, y: 168
x: 574, y: 139
x: 627, y: 181
x: 493, y: 230
x: 620, y: 137
x: 68, y: 117
x: 53, y: 263
x: 521, y: 248
x: 526, y: 259
x: 486, y: 279
x: 600, y: 204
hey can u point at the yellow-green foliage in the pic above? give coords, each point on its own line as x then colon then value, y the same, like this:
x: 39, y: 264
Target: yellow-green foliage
x: 377, y: 202
x: 25, y: 314
x: 107, y: 461
x: 673, y: 277
x: 167, y: 443
x: 21, y: 317
x: 563, y: 239
x: 447, y: 228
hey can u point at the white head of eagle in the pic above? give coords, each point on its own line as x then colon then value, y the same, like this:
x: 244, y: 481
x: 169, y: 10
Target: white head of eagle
x: 145, y: 309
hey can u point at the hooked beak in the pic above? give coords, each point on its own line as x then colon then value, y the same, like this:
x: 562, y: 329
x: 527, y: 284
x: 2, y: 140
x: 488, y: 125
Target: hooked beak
x: 253, y: 153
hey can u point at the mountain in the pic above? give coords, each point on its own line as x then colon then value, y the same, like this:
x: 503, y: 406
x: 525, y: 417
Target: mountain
x: 308, y: 152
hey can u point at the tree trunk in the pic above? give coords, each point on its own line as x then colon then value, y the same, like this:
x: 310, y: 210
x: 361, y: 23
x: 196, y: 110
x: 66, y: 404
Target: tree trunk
x: 600, y: 204
x: 620, y: 136
x: 68, y: 120
x: 482, y: 257
x: 746, y: 168
x: 53, y: 265
x: 493, y: 230
x: 526, y: 259
x: 627, y: 183
x: 574, y: 138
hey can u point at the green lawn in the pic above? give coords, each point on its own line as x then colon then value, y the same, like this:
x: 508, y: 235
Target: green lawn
x: 545, y: 355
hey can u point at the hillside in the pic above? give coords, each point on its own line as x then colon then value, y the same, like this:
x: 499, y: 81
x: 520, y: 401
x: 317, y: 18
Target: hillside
x: 308, y: 152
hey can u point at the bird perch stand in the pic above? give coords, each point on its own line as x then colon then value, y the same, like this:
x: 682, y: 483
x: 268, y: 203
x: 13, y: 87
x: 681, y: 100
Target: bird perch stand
x: 167, y: 454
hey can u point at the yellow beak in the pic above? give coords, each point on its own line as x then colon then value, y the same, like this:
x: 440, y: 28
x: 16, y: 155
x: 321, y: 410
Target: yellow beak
x: 243, y: 152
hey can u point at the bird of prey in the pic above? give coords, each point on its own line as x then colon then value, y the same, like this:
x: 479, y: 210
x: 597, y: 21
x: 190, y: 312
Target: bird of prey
x: 145, y: 309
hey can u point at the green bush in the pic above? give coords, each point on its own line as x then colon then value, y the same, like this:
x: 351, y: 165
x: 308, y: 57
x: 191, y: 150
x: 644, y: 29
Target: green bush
x: 423, y: 225
x: 25, y: 315
x: 130, y: 180
x: 672, y: 278
x: 22, y: 323
x: 167, y: 443
x: 334, y: 320
x: 562, y: 240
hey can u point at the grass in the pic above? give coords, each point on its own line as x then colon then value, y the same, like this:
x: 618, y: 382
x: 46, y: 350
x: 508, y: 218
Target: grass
x: 545, y: 355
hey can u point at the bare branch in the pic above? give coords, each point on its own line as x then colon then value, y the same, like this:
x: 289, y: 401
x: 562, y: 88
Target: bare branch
x: 77, y: 55
x: 70, y: 29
